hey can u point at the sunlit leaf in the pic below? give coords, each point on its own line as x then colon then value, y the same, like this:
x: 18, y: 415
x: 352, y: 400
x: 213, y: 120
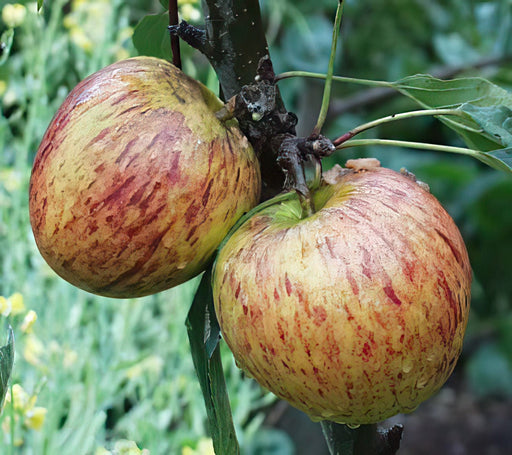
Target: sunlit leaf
x: 151, y: 36
x: 6, y: 363
x: 203, y: 334
x: 431, y: 93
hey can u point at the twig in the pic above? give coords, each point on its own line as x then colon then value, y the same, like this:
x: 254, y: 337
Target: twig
x: 391, y: 118
x: 377, y: 95
x: 330, y: 70
x: 175, y: 41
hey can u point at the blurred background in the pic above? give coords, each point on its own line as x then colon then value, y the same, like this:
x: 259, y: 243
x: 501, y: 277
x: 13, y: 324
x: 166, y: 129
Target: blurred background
x: 93, y: 375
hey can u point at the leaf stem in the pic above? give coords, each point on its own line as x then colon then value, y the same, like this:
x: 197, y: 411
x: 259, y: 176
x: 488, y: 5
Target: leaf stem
x: 391, y: 118
x: 352, y: 80
x: 330, y: 71
x: 409, y: 144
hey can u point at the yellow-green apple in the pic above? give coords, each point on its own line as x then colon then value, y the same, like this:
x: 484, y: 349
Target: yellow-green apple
x: 136, y: 181
x: 355, y: 313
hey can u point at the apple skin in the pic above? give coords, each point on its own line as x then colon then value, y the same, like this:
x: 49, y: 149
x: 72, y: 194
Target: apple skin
x: 356, y: 313
x: 136, y: 181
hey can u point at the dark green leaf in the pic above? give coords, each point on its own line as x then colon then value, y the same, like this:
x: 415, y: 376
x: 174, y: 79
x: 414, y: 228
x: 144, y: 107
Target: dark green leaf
x: 39, y: 4
x: 203, y: 336
x: 432, y: 93
x: 6, y: 363
x: 5, y: 45
x: 339, y: 438
x: 151, y: 36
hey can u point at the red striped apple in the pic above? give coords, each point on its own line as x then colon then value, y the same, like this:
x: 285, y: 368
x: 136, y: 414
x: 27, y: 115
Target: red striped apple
x: 136, y: 181
x: 355, y: 313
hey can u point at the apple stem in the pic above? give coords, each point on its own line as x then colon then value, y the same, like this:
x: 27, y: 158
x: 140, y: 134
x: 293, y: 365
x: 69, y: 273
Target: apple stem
x: 317, y: 180
x: 409, y: 144
x: 391, y: 118
x: 330, y: 71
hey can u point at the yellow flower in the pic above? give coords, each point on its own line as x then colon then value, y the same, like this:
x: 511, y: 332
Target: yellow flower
x: 13, y: 305
x: 20, y: 398
x: 69, y: 359
x: 34, y: 417
x: 125, y: 447
x: 34, y: 350
x: 152, y: 364
x: 13, y: 15
x: 80, y: 39
x: 10, y: 178
x: 122, y: 447
x: 102, y: 451
x: 204, y: 447
x: 28, y: 321
x: 190, y: 13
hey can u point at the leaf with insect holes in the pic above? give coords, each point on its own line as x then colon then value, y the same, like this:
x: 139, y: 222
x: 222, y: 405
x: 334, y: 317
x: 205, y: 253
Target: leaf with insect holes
x: 487, y: 125
x: 151, y: 36
x: 203, y: 333
x: 6, y: 363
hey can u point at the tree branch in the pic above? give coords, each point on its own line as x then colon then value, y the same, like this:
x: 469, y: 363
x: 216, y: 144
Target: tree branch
x: 235, y: 34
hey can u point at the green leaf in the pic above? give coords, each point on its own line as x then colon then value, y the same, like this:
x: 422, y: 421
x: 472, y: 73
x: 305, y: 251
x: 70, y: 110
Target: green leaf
x: 39, y: 4
x: 500, y: 159
x: 339, y: 438
x: 5, y: 45
x: 151, y: 36
x: 495, y: 120
x: 432, y: 93
x: 203, y: 334
x: 6, y: 363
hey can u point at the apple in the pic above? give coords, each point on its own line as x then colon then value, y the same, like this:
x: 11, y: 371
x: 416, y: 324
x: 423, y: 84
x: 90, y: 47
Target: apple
x: 355, y: 313
x: 136, y: 180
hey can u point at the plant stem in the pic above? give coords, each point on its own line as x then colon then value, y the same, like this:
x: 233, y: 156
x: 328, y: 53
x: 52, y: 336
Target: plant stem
x: 343, y: 440
x: 352, y: 80
x: 330, y: 70
x: 361, y: 440
x: 390, y: 118
x: 409, y: 144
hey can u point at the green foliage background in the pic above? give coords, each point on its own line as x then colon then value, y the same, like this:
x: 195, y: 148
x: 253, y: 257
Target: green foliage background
x: 106, y: 369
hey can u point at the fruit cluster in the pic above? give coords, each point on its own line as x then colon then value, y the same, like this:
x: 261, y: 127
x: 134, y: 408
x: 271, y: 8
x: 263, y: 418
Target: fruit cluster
x: 352, y: 314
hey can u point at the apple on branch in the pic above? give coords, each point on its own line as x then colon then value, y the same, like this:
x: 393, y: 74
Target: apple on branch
x: 355, y: 313
x: 136, y: 180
